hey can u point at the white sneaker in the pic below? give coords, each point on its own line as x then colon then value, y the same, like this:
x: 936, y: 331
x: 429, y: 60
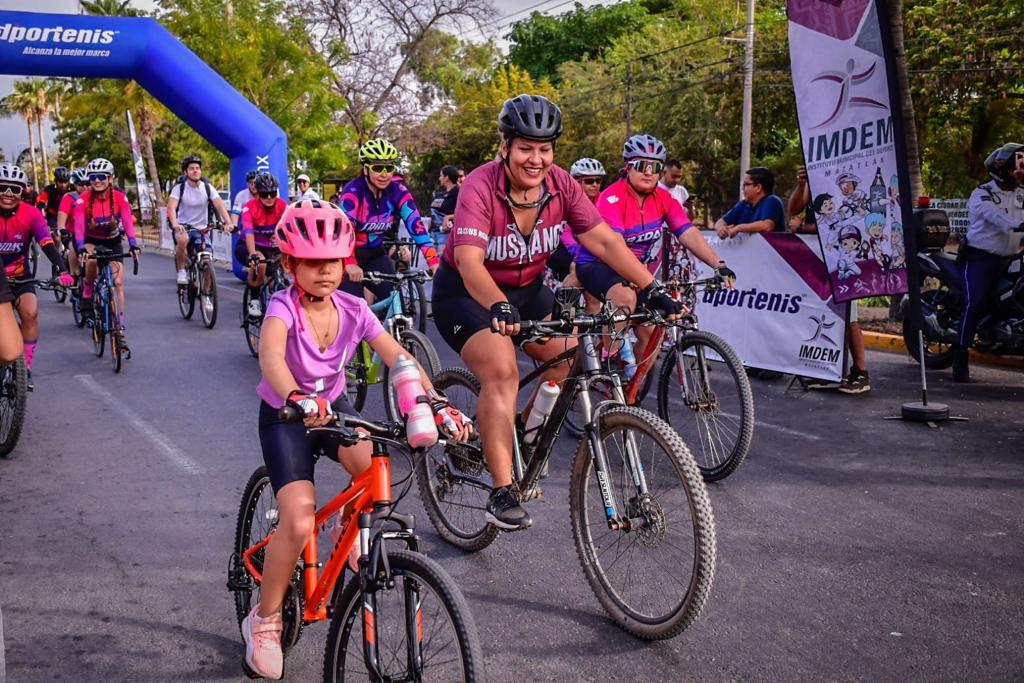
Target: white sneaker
x: 255, y: 310
x: 182, y: 277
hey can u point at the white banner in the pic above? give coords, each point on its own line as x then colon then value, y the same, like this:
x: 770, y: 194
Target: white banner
x: 846, y: 125
x: 146, y: 202
x: 956, y: 211
x: 780, y: 316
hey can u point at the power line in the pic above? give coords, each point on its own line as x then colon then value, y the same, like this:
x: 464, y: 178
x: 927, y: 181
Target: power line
x: 495, y: 25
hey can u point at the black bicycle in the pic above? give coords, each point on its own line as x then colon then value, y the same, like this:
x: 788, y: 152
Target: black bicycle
x: 412, y: 290
x: 202, y: 280
x: 106, y: 319
x: 275, y: 281
x: 641, y: 518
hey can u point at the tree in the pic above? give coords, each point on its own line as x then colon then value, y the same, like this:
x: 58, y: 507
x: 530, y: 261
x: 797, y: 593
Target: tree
x: 22, y: 102
x: 110, y: 8
x: 541, y: 43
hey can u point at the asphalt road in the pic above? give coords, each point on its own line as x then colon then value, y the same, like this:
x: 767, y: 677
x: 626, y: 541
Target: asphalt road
x: 850, y: 547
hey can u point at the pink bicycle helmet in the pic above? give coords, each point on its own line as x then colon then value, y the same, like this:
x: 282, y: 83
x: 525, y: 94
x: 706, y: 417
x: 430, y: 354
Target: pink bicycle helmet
x: 315, y: 229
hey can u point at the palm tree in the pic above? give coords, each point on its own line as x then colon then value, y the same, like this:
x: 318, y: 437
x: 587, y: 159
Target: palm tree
x: 22, y: 102
x: 41, y: 104
x: 109, y: 8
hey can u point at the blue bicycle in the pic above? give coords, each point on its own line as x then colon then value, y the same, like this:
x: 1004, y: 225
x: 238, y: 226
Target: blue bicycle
x: 106, y: 319
x: 365, y: 368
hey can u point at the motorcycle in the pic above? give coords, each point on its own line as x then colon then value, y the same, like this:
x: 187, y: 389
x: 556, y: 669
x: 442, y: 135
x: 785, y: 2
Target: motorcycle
x: 1001, y: 331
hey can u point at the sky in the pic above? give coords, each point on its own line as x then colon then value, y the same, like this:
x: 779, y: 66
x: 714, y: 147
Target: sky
x: 13, y: 132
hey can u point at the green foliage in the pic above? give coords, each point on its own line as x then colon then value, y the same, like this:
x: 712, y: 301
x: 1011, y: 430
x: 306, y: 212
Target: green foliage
x: 541, y: 43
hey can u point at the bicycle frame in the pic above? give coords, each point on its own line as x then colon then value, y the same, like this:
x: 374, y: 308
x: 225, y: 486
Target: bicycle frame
x: 393, y: 318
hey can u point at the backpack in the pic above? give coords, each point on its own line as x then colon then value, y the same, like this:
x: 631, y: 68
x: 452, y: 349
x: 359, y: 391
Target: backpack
x: 209, y: 198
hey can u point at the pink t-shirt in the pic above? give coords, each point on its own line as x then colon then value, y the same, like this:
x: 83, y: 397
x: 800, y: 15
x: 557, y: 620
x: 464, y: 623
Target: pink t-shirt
x: 103, y: 217
x: 483, y: 218
x: 308, y: 365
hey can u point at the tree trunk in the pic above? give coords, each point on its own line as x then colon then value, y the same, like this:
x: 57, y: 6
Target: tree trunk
x: 32, y: 152
x: 895, y: 8
x: 146, y: 131
x: 42, y: 145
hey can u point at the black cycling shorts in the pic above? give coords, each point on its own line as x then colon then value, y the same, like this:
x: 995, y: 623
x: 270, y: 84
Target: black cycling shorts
x: 242, y: 252
x: 560, y: 262
x: 6, y: 295
x: 597, y: 278
x: 458, y: 316
x: 287, y: 451
x: 375, y: 259
x: 114, y: 244
x: 19, y: 289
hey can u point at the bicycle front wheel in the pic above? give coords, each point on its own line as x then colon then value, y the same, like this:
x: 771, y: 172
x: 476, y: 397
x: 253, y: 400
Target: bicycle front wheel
x: 653, y: 573
x: 257, y: 517
x: 425, y: 354
x: 99, y: 325
x: 418, y: 627
x: 453, y: 480
x: 207, y: 294
x: 251, y: 325
x: 187, y: 297
x: 13, y: 396
x: 704, y: 393
x: 59, y: 293
x: 116, y: 333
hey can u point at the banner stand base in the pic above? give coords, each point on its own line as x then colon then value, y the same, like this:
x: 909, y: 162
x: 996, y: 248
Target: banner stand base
x: 929, y: 413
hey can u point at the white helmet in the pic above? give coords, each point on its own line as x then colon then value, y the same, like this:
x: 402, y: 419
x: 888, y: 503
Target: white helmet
x: 586, y: 166
x: 100, y: 165
x: 10, y: 173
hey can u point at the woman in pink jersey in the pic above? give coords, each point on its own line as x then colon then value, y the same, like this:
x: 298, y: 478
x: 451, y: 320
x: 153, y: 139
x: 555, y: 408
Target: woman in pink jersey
x: 309, y: 332
x: 100, y: 216
x: 508, y: 220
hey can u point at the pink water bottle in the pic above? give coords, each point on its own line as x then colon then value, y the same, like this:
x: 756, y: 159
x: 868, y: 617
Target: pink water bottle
x: 420, y: 428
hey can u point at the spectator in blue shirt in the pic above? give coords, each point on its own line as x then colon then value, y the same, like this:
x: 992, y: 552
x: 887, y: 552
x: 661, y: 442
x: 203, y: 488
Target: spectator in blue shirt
x: 758, y: 211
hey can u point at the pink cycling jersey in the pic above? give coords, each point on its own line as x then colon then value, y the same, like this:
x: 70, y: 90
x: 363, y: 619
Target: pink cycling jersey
x: 483, y: 219
x: 67, y: 204
x: 260, y: 222
x: 16, y: 234
x: 310, y: 367
x: 639, y: 220
x: 102, y: 217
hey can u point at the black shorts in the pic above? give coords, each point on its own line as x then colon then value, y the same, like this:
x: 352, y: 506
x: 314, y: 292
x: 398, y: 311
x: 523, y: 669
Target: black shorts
x: 559, y: 262
x: 458, y: 316
x: 375, y: 259
x: 597, y: 278
x: 242, y: 252
x: 288, y: 451
x: 18, y: 289
x: 114, y: 244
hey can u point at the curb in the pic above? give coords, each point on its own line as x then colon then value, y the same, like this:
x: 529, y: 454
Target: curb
x: 881, y: 341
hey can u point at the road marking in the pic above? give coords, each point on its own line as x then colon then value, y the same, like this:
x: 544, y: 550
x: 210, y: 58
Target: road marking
x: 172, y: 452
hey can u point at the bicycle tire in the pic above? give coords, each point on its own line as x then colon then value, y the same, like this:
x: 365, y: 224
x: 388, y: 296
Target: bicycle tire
x: 438, y: 602
x: 420, y: 346
x: 293, y: 606
x: 13, y: 398
x: 99, y: 326
x: 250, y: 326
x: 650, y: 533
x: 414, y: 302
x: 186, y: 297
x: 438, y: 470
x: 76, y: 310
x: 701, y: 419
x: 59, y: 293
x: 115, y: 332
x: 207, y: 294
x: 356, y: 385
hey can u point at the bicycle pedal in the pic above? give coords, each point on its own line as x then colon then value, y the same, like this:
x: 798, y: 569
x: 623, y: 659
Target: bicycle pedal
x: 535, y: 493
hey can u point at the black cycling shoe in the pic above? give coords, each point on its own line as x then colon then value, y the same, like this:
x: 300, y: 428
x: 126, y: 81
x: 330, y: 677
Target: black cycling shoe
x: 505, y: 512
x: 28, y: 384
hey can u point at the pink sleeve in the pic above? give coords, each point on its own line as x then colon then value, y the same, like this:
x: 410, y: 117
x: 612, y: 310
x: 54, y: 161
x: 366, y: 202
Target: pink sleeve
x: 78, y: 222
x: 40, y: 229
x: 246, y: 220
x: 675, y: 215
x: 472, y: 223
x: 369, y: 326
x: 67, y: 203
x: 278, y: 308
x: 127, y: 219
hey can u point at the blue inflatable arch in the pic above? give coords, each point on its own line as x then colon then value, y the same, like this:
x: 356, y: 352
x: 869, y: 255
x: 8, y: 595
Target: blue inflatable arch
x: 35, y: 44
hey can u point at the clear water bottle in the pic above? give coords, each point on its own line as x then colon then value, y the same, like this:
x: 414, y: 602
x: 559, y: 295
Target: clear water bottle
x: 628, y: 358
x: 420, y: 428
x: 542, y: 405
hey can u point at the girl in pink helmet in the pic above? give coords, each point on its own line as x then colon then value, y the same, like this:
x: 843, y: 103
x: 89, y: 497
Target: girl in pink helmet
x: 309, y: 333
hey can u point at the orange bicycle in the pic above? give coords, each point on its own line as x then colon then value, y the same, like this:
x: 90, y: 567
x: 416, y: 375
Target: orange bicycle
x: 402, y: 618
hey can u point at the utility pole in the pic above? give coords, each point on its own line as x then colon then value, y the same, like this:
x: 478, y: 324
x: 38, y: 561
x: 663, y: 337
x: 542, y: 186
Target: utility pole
x: 629, y: 99
x: 748, y: 93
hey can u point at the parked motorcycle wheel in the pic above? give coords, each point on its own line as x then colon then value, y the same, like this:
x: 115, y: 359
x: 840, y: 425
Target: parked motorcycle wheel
x: 937, y: 299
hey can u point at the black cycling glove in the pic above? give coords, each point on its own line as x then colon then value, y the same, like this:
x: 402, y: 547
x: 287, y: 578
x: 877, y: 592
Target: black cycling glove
x: 504, y: 312
x: 657, y: 298
x: 725, y: 272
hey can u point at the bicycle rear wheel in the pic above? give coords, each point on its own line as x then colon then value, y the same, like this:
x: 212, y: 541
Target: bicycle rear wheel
x: 453, y: 480
x: 59, y: 293
x: 13, y: 397
x: 251, y: 325
x: 76, y: 307
x: 419, y: 625
x: 704, y: 393
x: 414, y: 303
x: 425, y: 354
x: 257, y: 517
x: 99, y: 325
x: 652, y: 575
x: 207, y: 293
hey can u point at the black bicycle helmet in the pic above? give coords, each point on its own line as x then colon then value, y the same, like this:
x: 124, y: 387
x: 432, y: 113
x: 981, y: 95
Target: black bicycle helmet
x: 534, y: 117
x: 266, y: 182
x: 190, y: 159
x: 1001, y: 163
x: 251, y: 175
x: 61, y: 174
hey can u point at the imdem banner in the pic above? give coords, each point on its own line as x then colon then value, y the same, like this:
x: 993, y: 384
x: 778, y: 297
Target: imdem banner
x: 846, y: 125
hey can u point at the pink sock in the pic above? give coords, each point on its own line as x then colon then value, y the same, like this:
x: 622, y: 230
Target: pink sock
x: 30, y: 352
x: 87, y: 289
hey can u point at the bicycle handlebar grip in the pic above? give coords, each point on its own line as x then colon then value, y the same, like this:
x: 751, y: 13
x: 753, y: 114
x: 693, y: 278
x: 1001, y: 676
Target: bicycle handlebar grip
x: 135, y: 266
x: 289, y: 414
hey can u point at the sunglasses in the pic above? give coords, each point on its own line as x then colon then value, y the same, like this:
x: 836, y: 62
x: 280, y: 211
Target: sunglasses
x: 15, y: 190
x: 266, y: 195
x: 646, y: 166
x: 590, y: 181
x: 93, y: 177
x: 748, y: 184
x: 381, y: 168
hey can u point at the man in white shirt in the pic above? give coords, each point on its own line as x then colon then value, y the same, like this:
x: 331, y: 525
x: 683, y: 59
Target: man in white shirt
x: 670, y: 181
x: 304, y: 191
x: 190, y: 204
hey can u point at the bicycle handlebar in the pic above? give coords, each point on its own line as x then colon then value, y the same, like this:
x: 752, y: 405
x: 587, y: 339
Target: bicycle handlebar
x: 383, y: 429
x: 585, y: 323
x: 375, y: 277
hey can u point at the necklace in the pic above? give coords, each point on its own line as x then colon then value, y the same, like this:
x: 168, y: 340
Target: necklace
x: 321, y: 339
